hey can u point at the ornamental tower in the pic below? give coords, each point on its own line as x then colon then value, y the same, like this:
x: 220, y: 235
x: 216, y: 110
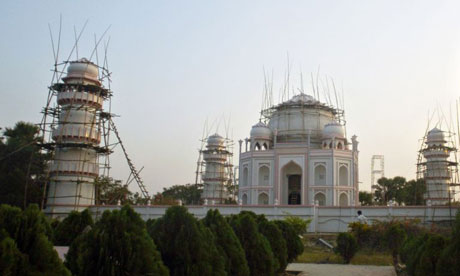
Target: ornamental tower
x: 75, y: 138
x: 217, y: 176
x: 436, y: 168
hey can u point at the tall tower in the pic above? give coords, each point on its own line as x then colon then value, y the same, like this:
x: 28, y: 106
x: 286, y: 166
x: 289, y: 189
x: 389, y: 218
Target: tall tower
x: 218, y: 170
x: 77, y: 135
x: 437, y: 169
x: 377, y: 170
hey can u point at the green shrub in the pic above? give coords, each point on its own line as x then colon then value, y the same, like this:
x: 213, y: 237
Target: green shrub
x: 347, y: 246
x: 24, y: 245
x: 430, y: 255
x: 277, y: 243
x: 293, y: 242
x: 72, y: 226
x: 186, y: 245
x: 118, y: 244
x: 362, y: 232
x: 300, y: 225
x: 448, y: 263
x: 257, y: 248
x: 227, y: 243
x: 394, y: 238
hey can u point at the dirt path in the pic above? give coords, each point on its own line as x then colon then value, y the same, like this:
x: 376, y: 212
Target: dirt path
x: 342, y: 270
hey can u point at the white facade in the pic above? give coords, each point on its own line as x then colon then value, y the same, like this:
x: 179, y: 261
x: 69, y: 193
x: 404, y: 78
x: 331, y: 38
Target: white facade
x: 76, y: 139
x: 301, y: 155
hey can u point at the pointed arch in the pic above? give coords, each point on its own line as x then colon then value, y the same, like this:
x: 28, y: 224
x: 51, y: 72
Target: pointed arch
x: 245, y: 176
x: 321, y: 198
x: 292, y: 183
x: 245, y: 199
x: 343, y: 175
x: 262, y: 199
x: 264, y: 176
x: 343, y: 199
x: 320, y: 175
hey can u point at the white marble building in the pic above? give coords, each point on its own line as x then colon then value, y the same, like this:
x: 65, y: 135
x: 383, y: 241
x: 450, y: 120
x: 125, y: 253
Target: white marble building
x: 298, y: 154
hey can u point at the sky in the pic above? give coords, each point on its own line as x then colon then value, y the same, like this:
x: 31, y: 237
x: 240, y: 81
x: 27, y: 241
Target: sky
x: 176, y: 64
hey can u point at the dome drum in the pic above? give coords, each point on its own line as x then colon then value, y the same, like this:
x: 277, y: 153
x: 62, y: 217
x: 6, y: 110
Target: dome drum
x: 64, y: 167
x: 77, y: 133
x: 79, y: 98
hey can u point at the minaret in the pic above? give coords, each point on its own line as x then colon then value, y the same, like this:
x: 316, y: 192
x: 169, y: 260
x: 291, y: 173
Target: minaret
x: 216, y: 175
x: 437, y: 173
x: 76, y: 138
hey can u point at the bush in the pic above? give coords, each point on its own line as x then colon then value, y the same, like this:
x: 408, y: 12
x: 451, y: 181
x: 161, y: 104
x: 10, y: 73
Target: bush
x: 362, y: 232
x: 448, y: 263
x: 300, y: 225
x: 347, y: 246
x: 186, y: 245
x: 293, y: 242
x: 118, y: 244
x: 227, y: 243
x: 257, y: 248
x: 24, y: 245
x: 431, y: 253
x: 394, y: 237
x: 72, y: 226
x: 277, y: 243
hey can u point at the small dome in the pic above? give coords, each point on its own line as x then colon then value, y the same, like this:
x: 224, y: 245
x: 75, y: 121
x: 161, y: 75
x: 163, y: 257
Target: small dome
x: 82, y: 69
x: 435, y: 136
x: 333, y: 130
x: 261, y: 130
x: 303, y: 98
x: 216, y: 140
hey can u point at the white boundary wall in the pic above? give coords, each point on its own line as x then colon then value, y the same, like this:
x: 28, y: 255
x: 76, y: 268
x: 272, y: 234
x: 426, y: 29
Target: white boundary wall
x: 324, y: 219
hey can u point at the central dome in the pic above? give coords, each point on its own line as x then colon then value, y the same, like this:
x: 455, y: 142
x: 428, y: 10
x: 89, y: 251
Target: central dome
x: 301, y: 116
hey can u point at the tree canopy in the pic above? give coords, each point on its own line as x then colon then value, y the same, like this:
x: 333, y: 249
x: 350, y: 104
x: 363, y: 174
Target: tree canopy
x: 189, y: 193
x: 257, y: 248
x: 118, y: 244
x: 24, y: 245
x: 22, y: 166
x: 186, y: 245
x: 71, y: 227
x: 400, y: 191
x: 227, y: 243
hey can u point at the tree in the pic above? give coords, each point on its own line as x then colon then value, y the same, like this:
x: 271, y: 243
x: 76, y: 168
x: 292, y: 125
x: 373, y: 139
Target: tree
x: 22, y: 166
x: 277, y: 242
x: 413, y: 192
x: 24, y: 245
x: 430, y: 255
x: 72, y: 226
x: 448, y: 263
x: 389, y: 189
x: 227, y: 243
x: 109, y: 191
x: 394, y: 237
x: 118, y: 244
x: 300, y: 225
x: 256, y: 247
x: 347, y: 246
x: 293, y: 242
x: 365, y: 198
x: 186, y: 245
x: 188, y: 193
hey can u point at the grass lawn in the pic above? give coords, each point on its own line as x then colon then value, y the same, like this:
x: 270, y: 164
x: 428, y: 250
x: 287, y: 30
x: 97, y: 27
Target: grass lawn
x: 314, y: 253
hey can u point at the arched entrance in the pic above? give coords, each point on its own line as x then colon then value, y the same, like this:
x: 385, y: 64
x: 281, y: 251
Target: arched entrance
x: 292, y: 188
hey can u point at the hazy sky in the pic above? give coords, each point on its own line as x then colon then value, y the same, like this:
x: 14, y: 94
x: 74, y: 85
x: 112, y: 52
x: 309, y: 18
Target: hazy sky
x: 176, y: 63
